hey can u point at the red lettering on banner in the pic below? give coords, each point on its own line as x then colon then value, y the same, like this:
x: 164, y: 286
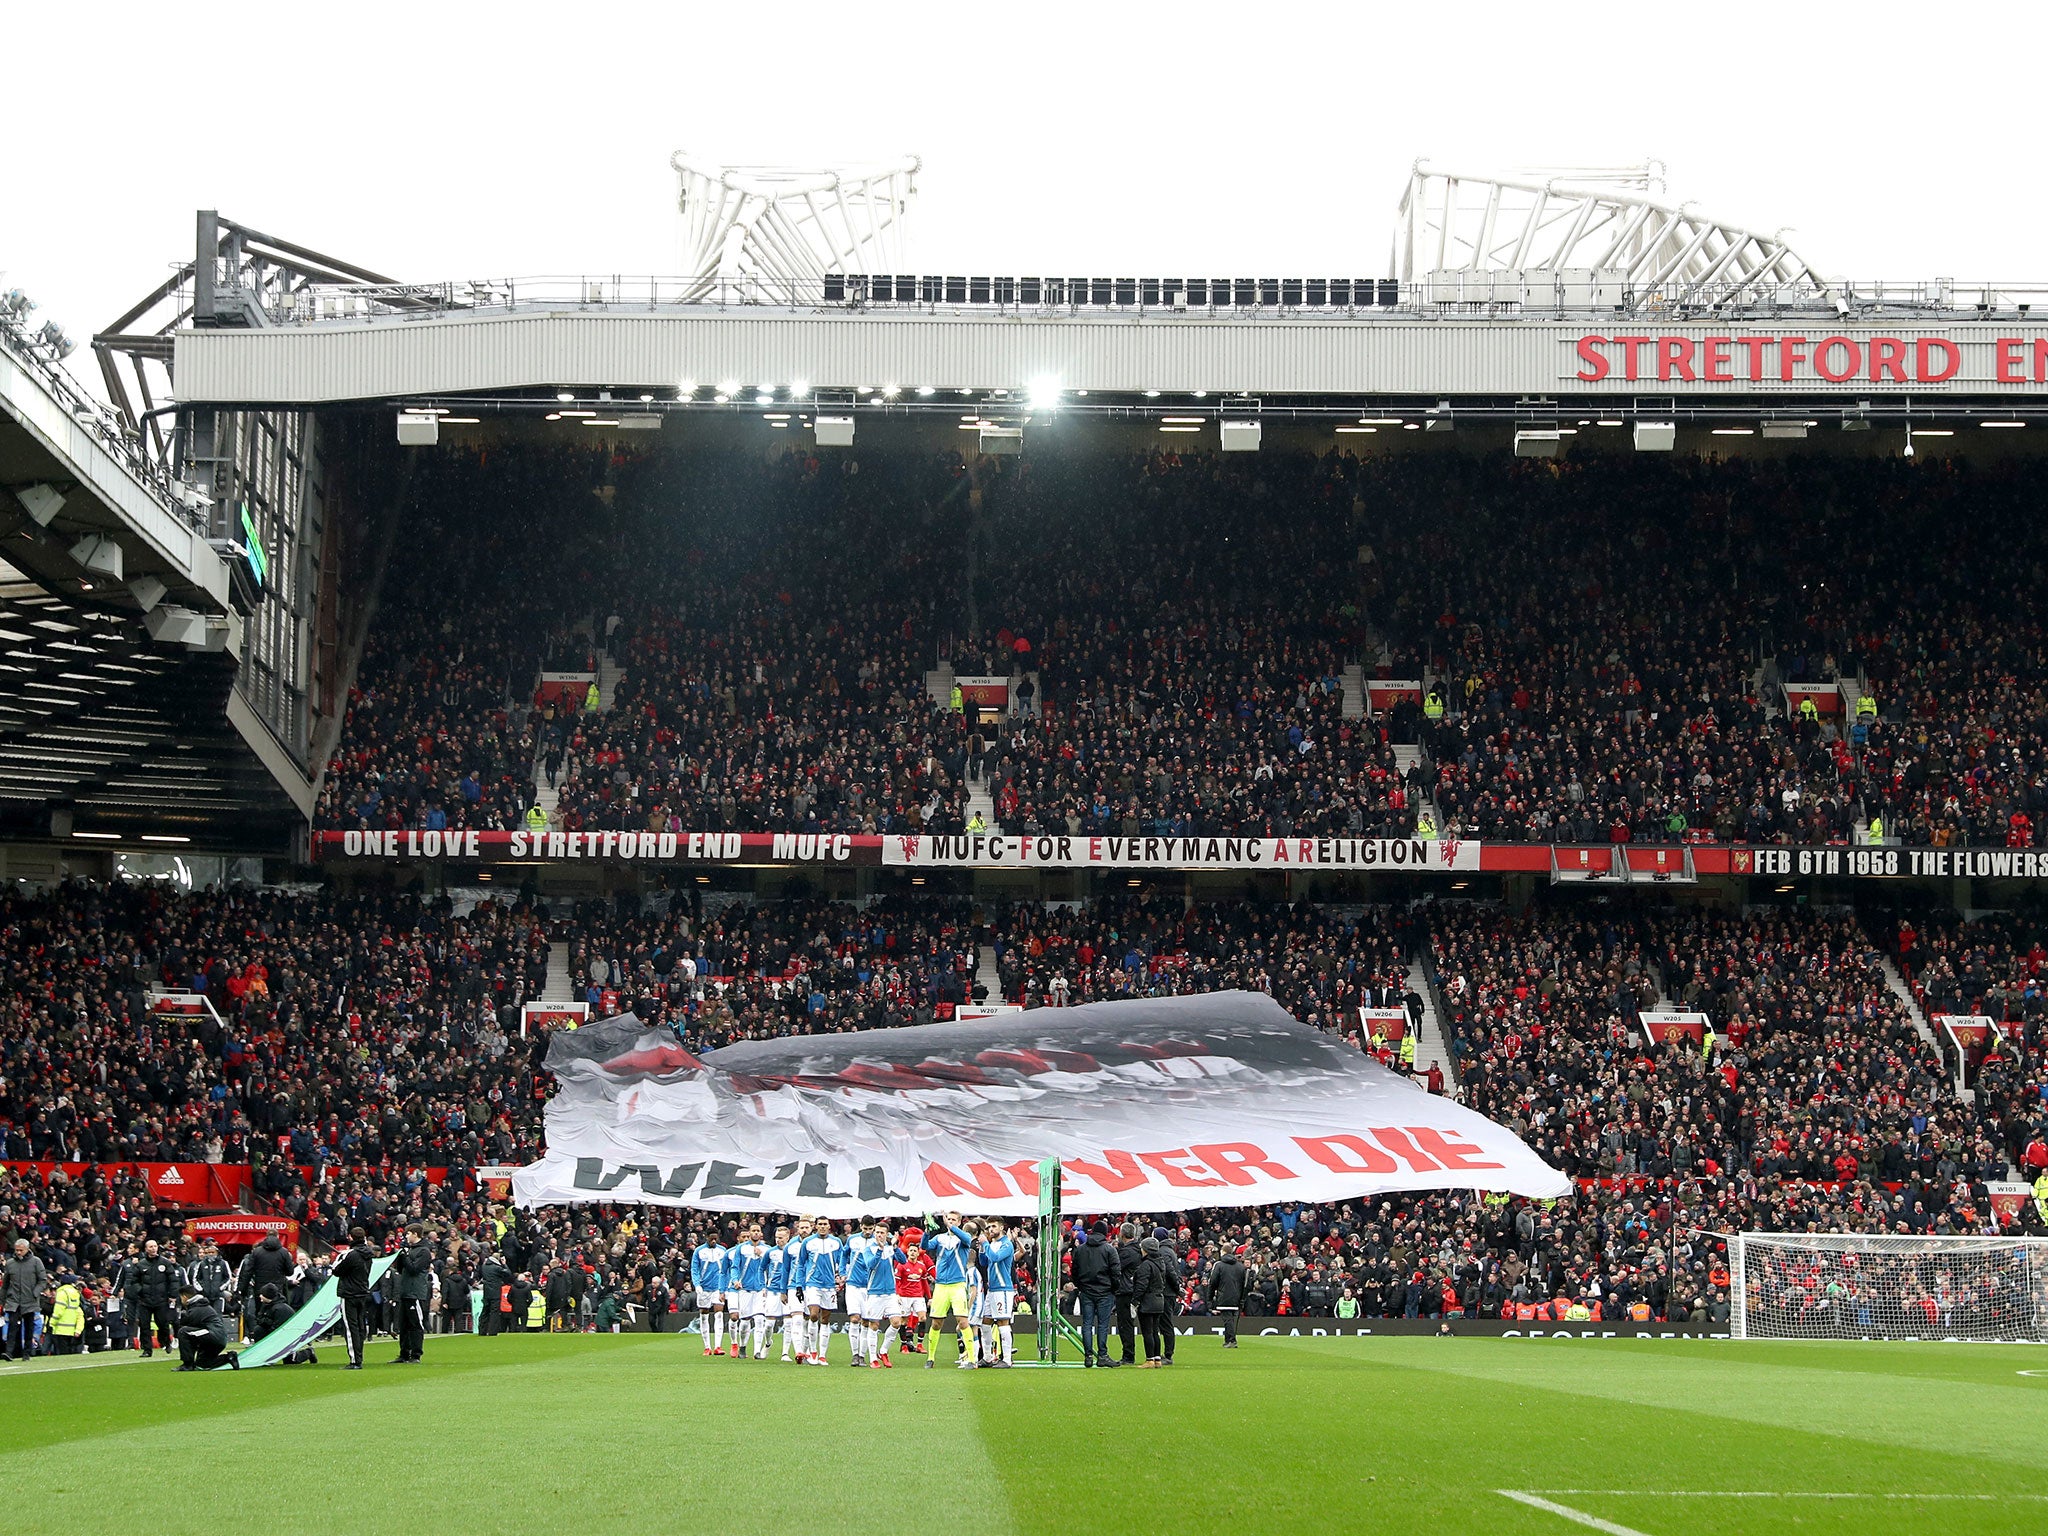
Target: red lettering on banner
x: 2041, y: 360
x: 1330, y: 1150
x: 1279, y: 850
x: 1304, y: 850
x: 983, y: 1182
x: 1452, y: 1154
x: 1826, y: 350
x: 1594, y: 359
x: 1887, y: 360
x: 1714, y: 360
x: 1674, y: 359
x: 1629, y: 344
x: 1122, y: 1173
x: 1754, y: 346
x: 1951, y: 354
x: 1177, y: 1176
x: 1024, y: 1174
x: 1791, y: 350
x: 2011, y: 364
x: 1397, y: 1142
x: 1238, y: 1161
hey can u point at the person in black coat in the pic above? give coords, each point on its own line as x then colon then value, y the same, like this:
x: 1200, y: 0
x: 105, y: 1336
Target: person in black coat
x: 1148, y: 1296
x: 1097, y: 1273
x: 203, y: 1334
x: 1224, y: 1292
x: 266, y: 1264
x: 415, y: 1268
x: 352, y: 1286
x: 1176, y: 1286
x: 1128, y: 1258
x: 150, y: 1285
x: 272, y: 1312
x: 494, y: 1277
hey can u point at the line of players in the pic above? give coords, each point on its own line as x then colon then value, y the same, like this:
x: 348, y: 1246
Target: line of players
x: 950, y: 1278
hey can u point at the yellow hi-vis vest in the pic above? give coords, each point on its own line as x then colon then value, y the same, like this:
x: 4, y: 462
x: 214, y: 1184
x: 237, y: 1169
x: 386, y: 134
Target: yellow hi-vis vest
x: 537, y: 1310
x: 67, y: 1313
x: 1433, y: 706
x: 1808, y: 710
x: 536, y: 819
x: 1407, y: 1050
x: 1866, y: 704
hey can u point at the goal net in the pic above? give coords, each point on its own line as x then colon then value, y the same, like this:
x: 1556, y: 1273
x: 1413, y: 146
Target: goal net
x: 1788, y: 1285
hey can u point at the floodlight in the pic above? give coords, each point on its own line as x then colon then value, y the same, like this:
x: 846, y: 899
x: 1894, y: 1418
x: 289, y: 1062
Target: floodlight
x: 1043, y: 393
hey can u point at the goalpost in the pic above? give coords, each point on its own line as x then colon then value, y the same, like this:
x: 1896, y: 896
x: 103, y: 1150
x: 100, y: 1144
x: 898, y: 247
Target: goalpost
x: 1792, y: 1285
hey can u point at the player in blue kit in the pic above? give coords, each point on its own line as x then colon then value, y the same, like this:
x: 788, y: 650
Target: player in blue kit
x: 707, y: 1275
x: 860, y: 1254
x: 796, y: 1327
x: 997, y: 1259
x: 879, y: 1312
x: 824, y: 1269
x: 736, y: 1317
x: 774, y: 1290
x: 748, y: 1280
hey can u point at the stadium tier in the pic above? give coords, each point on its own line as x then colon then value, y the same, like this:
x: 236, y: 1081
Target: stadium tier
x: 351, y: 1061
x: 1682, y: 652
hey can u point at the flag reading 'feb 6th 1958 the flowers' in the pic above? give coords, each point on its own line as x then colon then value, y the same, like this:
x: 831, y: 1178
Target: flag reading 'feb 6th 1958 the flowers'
x: 1151, y: 1105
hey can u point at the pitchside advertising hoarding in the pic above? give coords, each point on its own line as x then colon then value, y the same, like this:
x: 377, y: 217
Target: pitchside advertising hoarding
x: 1285, y: 855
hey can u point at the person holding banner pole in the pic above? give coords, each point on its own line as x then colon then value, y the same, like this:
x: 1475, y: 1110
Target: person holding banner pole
x: 352, y: 1288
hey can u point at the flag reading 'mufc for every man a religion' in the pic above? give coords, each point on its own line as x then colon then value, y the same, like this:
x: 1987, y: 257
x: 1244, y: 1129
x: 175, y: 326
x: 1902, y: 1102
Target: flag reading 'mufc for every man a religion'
x: 1151, y: 1105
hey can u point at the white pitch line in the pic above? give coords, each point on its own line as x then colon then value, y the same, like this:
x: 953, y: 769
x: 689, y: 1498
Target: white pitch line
x: 1760, y: 1493
x: 1566, y: 1512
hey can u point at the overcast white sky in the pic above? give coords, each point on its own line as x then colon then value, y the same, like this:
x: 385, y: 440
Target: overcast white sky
x: 433, y: 141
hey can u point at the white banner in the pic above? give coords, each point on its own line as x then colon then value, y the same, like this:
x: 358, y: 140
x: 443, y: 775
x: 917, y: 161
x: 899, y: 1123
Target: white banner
x: 1000, y: 850
x: 1158, y: 1104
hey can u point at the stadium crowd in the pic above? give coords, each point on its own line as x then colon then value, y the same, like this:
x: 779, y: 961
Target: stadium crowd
x: 361, y: 1053
x: 357, y: 1046
x: 1176, y: 630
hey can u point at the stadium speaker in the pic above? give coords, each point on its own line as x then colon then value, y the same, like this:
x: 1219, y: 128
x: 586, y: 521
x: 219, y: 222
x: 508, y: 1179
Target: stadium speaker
x: 147, y: 592
x: 834, y: 431
x: 60, y: 821
x: 1241, y: 436
x: 1793, y: 429
x: 171, y: 625
x: 99, y: 554
x: 1656, y: 436
x: 43, y: 502
x: 1538, y: 443
x: 418, y: 431
x: 1002, y: 439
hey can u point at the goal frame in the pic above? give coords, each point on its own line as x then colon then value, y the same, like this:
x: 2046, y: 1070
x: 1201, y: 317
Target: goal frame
x: 2033, y: 1249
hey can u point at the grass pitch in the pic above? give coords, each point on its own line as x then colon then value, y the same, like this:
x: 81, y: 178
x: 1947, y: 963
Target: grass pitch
x: 639, y: 1433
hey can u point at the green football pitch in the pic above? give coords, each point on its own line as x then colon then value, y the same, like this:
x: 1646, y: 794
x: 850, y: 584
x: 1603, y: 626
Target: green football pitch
x: 569, y: 1434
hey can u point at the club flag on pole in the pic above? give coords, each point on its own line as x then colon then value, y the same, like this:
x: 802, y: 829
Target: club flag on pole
x: 1159, y: 1104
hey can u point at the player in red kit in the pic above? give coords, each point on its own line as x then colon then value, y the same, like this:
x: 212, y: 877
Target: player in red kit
x: 914, y: 1272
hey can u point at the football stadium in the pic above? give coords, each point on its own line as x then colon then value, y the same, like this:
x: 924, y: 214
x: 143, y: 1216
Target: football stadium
x: 1442, y: 868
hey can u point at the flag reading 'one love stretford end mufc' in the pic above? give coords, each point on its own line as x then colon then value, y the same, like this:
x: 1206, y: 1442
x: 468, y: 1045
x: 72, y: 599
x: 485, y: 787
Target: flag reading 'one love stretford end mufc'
x: 1151, y: 1105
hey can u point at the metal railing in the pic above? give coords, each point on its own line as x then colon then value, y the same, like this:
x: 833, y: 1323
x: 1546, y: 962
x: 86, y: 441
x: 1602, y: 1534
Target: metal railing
x: 108, y: 429
x: 1503, y: 295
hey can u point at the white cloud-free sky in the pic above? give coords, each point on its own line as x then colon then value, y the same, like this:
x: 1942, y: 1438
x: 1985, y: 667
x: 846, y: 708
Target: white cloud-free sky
x: 436, y: 141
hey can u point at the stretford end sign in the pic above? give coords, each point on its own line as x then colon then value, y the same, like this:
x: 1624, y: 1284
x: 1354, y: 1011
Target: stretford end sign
x: 1440, y: 856
x: 1750, y: 358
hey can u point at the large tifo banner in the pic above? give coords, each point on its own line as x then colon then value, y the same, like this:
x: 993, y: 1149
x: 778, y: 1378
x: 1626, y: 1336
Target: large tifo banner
x: 309, y: 1324
x: 1154, y: 1105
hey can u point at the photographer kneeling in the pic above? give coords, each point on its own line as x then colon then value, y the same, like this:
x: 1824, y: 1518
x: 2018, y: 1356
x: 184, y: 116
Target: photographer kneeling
x: 203, y: 1334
